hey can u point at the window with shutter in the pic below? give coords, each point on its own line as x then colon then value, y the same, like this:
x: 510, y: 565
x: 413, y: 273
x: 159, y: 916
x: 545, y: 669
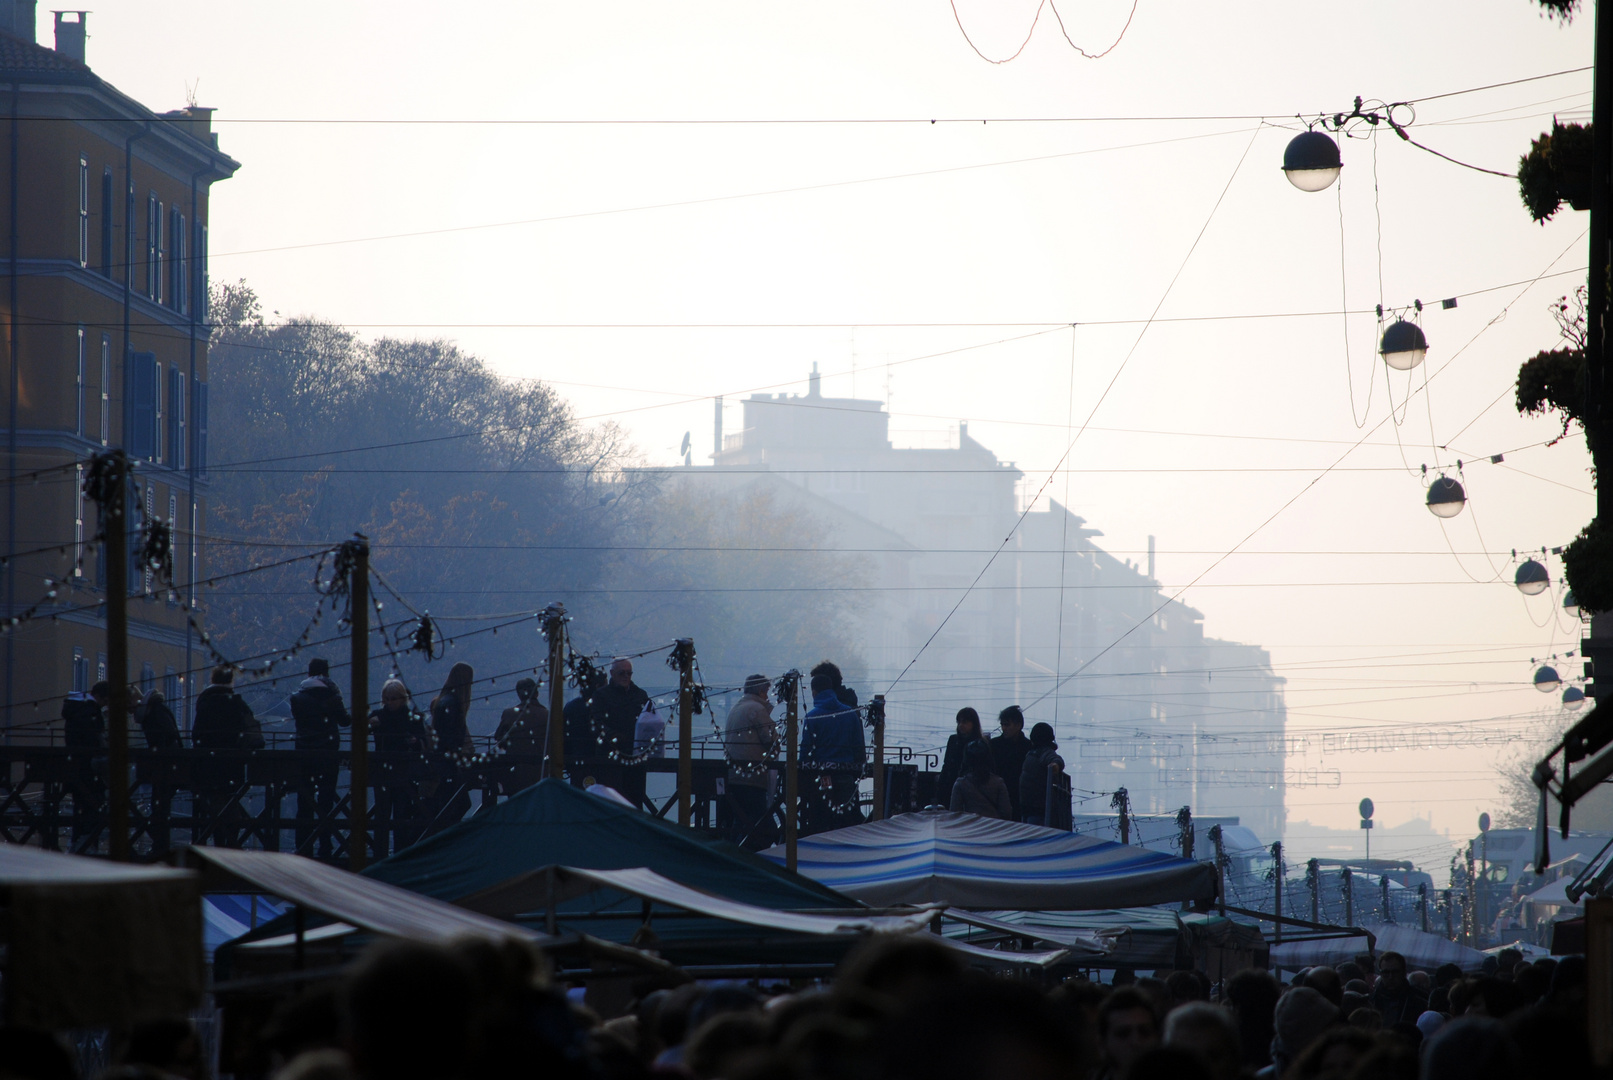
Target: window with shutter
x: 176, y: 418
x: 83, y: 211
x: 200, y: 401
x: 142, y: 382
x: 106, y: 222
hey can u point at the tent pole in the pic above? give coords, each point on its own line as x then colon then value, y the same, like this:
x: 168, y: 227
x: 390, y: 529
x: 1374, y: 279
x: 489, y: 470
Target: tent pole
x: 554, y: 623
x: 358, y: 785
x: 683, y: 652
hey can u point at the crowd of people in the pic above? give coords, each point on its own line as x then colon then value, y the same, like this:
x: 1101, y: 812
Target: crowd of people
x: 902, y: 1008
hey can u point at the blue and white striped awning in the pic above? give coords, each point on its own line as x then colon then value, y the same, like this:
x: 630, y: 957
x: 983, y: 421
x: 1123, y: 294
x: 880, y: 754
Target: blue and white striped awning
x: 968, y: 861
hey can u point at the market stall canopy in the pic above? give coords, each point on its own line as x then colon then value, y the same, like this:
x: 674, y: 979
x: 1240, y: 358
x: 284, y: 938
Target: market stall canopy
x: 1422, y: 951
x: 93, y: 943
x: 968, y: 861
x: 547, y: 888
x: 555, y: 824
x: 349, y: 898
x: 1139, y: 937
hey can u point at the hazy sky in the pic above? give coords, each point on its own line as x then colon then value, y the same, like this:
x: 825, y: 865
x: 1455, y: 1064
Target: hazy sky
x: 362, y: 126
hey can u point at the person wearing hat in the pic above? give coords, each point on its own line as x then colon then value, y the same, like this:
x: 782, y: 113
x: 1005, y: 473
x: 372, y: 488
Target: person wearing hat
x: 320, y: 715
x: 748, y: 739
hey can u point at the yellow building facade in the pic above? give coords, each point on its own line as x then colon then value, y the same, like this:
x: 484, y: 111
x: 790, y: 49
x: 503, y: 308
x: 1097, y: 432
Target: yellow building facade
x: 103, y: 337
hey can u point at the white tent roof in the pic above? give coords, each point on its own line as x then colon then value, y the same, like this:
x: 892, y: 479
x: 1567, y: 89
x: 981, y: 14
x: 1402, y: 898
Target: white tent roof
x: 1422, y: 951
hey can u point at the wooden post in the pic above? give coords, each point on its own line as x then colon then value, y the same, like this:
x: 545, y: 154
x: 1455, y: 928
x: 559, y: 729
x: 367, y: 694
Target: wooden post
x: 1122, y: 804
x: 1349, y: 896
x: 789, y: 687
x: 684, y: 652
x: 116, y: 527
x: 358, y: 785
x: 1220, y: 865
x: 554, y: 625
x: 1422, y: 904
x: 1277, y: 880
x: 876, y: 716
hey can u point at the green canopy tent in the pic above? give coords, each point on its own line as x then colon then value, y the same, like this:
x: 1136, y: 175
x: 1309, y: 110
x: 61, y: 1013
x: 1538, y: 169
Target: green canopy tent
x: 555, y: 824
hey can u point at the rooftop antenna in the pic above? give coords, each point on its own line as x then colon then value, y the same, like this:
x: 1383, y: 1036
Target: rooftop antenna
x: 190, y: 92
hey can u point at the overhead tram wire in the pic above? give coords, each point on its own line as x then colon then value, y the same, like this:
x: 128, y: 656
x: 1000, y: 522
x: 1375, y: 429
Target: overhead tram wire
x: 1321, y: 476
x: 1094, y: 411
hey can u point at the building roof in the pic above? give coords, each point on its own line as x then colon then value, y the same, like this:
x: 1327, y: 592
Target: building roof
x: 22, y: 60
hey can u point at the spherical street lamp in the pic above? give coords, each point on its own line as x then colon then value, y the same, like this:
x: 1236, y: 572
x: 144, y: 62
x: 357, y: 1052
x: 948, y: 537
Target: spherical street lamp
x: 1547, y: 680
x: 1312, y: 161
x: 1570, y: 604
x: 1573, y: 698
x: 1404, y: 345
x: 1531, y: 578
x: 1446, y: 497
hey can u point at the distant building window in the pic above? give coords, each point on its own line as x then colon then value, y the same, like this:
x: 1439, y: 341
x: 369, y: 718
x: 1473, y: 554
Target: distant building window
x: 199, y: 402
x: 176, y: 418
x: 78, y: 522
x: 148, y: 678
x: 106, y: 389
x: 153, y: 232
x: 173, y: 519
x: 79, y: 387
x: 83, y: 211
x: 159, y: 241
x: 171, y: 688
x: 178, y: 291
x: 81, y: 672
x: 199, y: 262
x: 100, y: 667
x: 142, y: 378
x: 107, y: 185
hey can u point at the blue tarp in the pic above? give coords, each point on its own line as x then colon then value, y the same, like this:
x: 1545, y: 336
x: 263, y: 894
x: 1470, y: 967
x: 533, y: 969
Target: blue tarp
x: 970, y: 861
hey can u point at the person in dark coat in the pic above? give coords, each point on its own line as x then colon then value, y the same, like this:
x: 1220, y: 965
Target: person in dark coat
x: 400, y: 733
x: 84, y: 729
x: 952, y: 763
x: 1392, y: 995
x: 1033, y: 777
x: 979, y: 790
x: 1008, y: 752
x: 319, y: 714
x: 523, y: 730
x: 450, y: 725
x: 614, y: 711
x: 224, y: 721
x: 161, y: 729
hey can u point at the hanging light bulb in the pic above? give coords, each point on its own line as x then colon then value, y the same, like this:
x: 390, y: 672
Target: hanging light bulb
x: 1571, y: 604
x: 1403, y: 346
x: 1547, y: 680
x: 1446, y: 497
x: 1312, y: 161
x: 1531, y: 578
x: 1573, y: 698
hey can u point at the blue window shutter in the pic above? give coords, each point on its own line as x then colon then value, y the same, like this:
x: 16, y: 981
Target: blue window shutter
x: 176, y: 405
x: 142, y: 440
x: 199, y: 418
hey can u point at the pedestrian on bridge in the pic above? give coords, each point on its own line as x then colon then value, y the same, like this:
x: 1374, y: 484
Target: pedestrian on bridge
x: 320, y: 715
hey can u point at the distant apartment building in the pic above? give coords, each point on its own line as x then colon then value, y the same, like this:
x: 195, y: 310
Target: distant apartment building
x: 105, y: 323
x: 1139, y: 698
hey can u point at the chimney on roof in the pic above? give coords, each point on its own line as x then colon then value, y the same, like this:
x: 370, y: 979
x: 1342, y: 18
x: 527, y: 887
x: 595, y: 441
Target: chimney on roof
x: 17, y: 17
x: 812, y: 383
x: 70, y: 34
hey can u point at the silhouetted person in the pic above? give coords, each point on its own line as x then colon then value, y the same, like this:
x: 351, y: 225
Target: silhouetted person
x: 979, y: 790
x: 832, y: 743
x: 614, y: 711
x: 84, y: 730
x: 968, y: 731
x: 223, y: 723
x: 1008, y: 752
x: 1393, y: 995
x: 410, y: 1012
x: 523, y: 730
x: 319, y: 714
x: 161, y: 731
x: 1128, y: 1027
x: 450, y: 726
x: 400, y: 732
x: 748, y: 738
x: 1043, y: 755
